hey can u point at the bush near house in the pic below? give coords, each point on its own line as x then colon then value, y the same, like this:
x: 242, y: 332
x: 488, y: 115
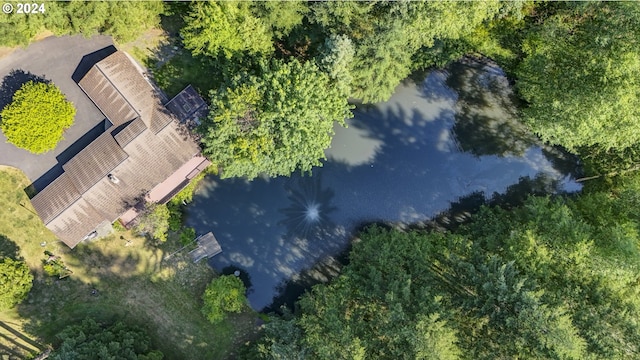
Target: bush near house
x: 154, y: 222
x: 37, y: 117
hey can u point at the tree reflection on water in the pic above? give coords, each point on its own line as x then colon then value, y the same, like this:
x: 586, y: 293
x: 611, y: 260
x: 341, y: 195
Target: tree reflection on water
x: 486, y: 120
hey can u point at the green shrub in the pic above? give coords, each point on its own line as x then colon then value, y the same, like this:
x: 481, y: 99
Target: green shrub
x: 15, y: 282
x: 187, y: 235
x: 186, y: 195
x: 175, y: 216
x: 37, y: 117
x: 118, y: 227
x: 54, y: 266
x: 223, y: 295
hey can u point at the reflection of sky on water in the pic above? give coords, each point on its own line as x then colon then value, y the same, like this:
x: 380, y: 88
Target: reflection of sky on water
x: 397, y: 161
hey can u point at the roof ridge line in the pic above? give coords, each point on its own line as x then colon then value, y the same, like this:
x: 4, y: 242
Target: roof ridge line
x: 97, y: 65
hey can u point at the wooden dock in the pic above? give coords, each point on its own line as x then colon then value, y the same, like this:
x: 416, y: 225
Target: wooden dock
x: 208, y: 247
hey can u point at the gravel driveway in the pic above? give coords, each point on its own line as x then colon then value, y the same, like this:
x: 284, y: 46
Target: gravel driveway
x: 54, y: 58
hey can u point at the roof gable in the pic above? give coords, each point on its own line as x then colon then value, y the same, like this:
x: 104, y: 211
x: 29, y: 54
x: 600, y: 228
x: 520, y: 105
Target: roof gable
x: 94, y: 162
x: 55, y: 198
x: 106, y: 96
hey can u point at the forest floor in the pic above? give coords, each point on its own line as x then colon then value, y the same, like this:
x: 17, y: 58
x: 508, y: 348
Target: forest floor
x: 133, y: 281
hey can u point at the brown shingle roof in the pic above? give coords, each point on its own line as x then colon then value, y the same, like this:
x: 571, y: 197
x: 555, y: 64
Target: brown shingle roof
x: 94, y: 162
x: 138, y: 92
x: 107, y: 97
x: 143, y: 150
x: 77, y: 221
x: 55, y: 198
x: 135, y: 128
x: 160, y: 118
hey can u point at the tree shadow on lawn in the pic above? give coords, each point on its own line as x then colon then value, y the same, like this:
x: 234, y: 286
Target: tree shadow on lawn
x: 8, y: 248
x: 13, y: 82
x: 125, y: 284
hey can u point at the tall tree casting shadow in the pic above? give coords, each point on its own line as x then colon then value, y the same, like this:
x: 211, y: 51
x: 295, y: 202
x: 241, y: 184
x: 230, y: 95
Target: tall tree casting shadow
x: 8, y: 248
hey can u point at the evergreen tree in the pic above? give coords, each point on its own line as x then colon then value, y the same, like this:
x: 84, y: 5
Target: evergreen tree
x: 281, y: 16
x: 225, y: 27
x: 581, y: 74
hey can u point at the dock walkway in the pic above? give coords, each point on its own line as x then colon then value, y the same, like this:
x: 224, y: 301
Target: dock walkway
x: 208, y: 247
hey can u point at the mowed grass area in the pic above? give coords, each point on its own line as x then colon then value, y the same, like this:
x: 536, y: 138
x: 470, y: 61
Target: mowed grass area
x: 135, y: 282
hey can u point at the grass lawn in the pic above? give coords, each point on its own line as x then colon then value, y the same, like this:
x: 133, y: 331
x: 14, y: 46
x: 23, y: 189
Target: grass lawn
x: 184, y: 69
x: 135, y: 282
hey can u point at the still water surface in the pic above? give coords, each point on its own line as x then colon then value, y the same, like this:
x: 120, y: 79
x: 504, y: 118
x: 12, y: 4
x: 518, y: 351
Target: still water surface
x: 452, y: 134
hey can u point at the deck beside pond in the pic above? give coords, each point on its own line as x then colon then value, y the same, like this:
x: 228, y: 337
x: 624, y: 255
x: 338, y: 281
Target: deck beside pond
x: 208, y: 247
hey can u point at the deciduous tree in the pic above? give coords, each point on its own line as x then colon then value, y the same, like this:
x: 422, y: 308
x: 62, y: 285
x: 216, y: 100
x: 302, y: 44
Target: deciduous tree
x: 37, y: 117
x: 223, y: 295
x: 15, y: 282
x: 275, y: 123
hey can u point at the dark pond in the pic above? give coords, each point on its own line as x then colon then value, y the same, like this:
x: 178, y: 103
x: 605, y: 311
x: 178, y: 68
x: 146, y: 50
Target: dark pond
x: 452, y: 135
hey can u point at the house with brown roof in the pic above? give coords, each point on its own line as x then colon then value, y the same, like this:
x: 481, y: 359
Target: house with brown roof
x: 147, y: 154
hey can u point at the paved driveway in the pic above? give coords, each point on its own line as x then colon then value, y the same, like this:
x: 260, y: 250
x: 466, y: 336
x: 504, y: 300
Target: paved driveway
x: 54, y: 58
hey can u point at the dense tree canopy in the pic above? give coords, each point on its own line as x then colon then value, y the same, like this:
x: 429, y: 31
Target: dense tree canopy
x: 387, y: 34
x: 227, y: 27
x: 581, y: 74
x: 551, y: 279
x: 275, y: 123
x: 15, y: 282
x: 239, y: 28
x: 124, y: 20
x: 223, y: 295
x: 281, y: 16
x: 37, y: 117
x: 379, y: 38
x: 91, y: 340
